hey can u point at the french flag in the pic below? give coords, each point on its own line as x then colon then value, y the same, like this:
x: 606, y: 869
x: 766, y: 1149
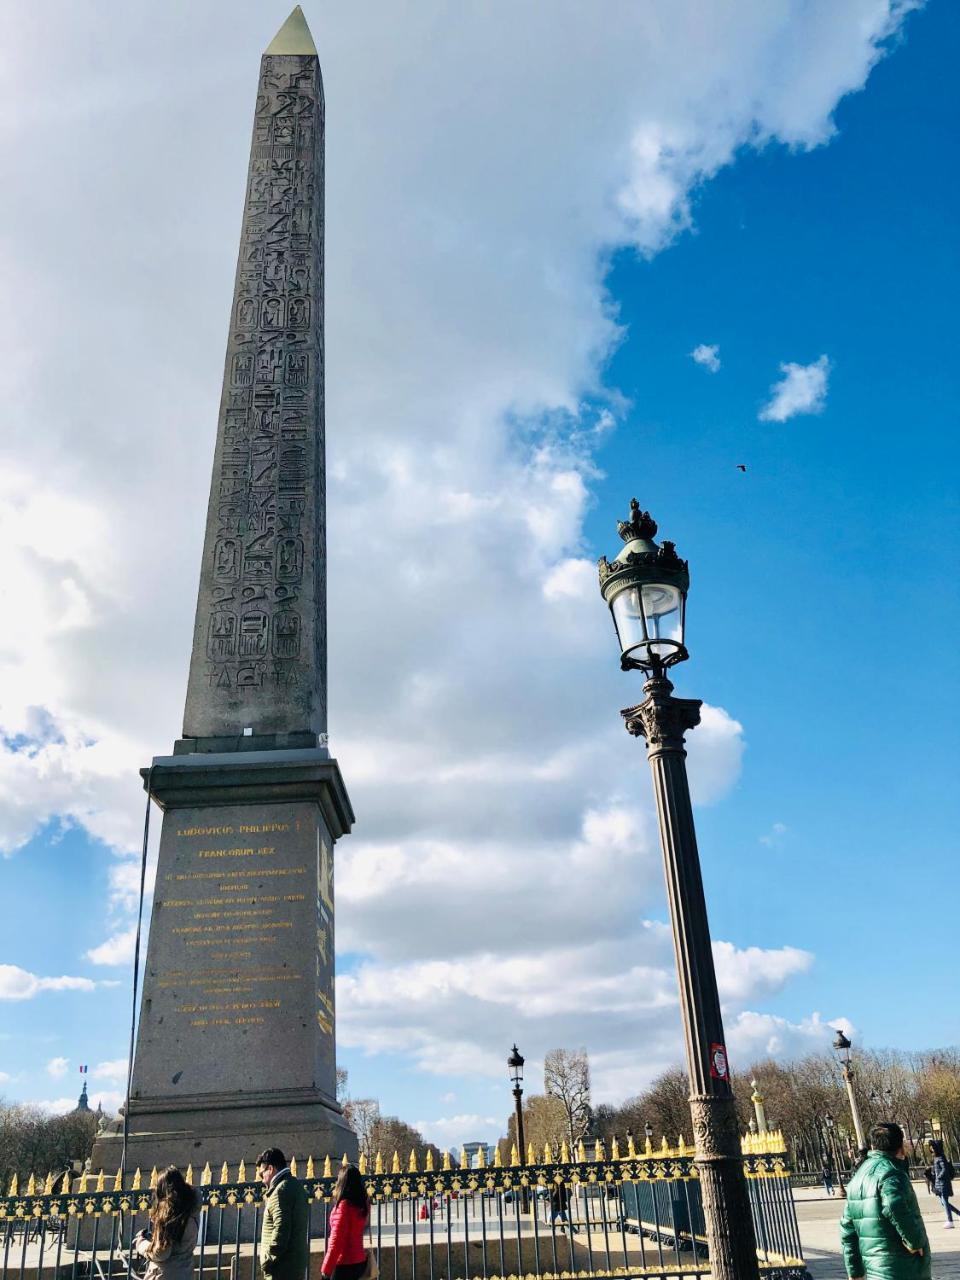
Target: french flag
x: 84, y: 1069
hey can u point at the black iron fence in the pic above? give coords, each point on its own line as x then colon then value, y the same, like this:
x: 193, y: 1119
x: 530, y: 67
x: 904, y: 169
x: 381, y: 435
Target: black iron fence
x: 637, y: 1216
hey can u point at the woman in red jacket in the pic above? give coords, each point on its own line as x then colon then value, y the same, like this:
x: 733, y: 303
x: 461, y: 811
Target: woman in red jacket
x: 346, y: 1256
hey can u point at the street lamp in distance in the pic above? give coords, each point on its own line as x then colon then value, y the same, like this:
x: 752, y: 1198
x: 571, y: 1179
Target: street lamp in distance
x: 648, y: 1134
x: 515, y: 1065
x: 842, y: 1046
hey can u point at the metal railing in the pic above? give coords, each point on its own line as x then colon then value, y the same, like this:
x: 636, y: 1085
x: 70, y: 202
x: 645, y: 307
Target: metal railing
x: 636, y: 1216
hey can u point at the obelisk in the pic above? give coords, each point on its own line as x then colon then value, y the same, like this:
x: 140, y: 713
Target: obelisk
x: 236, y: 1042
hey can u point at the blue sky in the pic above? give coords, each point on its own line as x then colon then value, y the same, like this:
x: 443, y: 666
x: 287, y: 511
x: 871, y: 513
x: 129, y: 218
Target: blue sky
x: 516, y: 284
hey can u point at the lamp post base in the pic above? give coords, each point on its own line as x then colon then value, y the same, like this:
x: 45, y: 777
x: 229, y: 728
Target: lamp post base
x: 726, y: 1201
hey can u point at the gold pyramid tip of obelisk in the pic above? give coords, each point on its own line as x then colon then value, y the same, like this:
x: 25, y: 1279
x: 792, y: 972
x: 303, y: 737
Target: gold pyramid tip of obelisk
x: 293, y: 37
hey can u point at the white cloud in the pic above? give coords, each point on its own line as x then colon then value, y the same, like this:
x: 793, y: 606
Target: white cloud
x: 752, y: 1036
x: 117, y: 949
x: 109, y: 1099
x: 467, y: 333
x: 451, y: 1132
x: 707, y: 356
x: 18, y: 984
x: 774, y: 836
x: 115, y: 1070
x: 802, y: 389
x: 58, y: 1067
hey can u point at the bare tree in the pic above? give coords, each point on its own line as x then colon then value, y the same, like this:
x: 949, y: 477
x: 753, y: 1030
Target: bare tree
x: 363, y: 1117
x: 566, y: 1077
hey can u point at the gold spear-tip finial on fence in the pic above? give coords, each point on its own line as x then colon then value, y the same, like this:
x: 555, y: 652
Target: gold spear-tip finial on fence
x: 428, y: 1163
x: 598, y: 1150
x: 153, y: 1178
x: 137, y: 1180
x: 310, y: 1166
x: 664, y: 1146
x: 464, y: 1158
x: 681, y: 1146
x: 497, y: 1157
x: 207, y: 1176
x: 378, y: 1163
x: 581, y: 1152
x: 547, y: 1153
x: 48, y: 1185
x: 242, y: 1171
x: 293, y: 1166
x: 224, y: 1174
x: 614, y: 1148
x: 362, y: 1162
x: 82, y: 1185
x: 447, y: 1164
x: 118, y: 1181
x: 564, y: 1152
x: 395, y: 1163
x: 327, y: 1170
x: 481, y: 1156
x: 31, y: 1186
x: 412, y: 1162
x: 101, y: 1183
x: 188, y: 1176
x: 514, y: 1155
x: 345, y: 1161
x: 13, y: 1186
x: 631, y: 1147
x: 531, y: 1154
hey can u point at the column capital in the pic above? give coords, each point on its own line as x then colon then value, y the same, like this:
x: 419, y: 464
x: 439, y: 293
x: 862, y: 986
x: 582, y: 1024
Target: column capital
x: 661, y: 719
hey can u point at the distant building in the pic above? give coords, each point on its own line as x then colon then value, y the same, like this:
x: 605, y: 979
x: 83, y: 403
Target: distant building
x: 83, y: 1102
x: 473, y: 1150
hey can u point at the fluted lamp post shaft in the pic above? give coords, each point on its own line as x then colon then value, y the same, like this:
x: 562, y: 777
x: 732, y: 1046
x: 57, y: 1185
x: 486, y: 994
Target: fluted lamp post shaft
x: 646, y: 588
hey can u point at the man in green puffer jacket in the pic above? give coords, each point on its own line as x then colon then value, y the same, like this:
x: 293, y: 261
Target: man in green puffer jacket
x: 284, y: 1247
x: 881, y: 1231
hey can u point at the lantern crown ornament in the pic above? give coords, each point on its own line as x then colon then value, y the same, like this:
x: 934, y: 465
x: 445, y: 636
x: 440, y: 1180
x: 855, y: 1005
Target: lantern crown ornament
x: 646, y: 587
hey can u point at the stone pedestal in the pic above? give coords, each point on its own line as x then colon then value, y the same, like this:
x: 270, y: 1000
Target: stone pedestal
x: 235, y: 1049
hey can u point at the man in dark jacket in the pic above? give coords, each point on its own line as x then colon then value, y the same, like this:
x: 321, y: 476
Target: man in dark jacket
x: 881, y: 1231
x: 286, y: 1213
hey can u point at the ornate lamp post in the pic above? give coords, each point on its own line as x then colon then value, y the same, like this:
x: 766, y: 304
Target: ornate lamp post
x: 515, y: 1064
x: 842, y: 1047
x: 646, y: 589
x: 648, y: 1136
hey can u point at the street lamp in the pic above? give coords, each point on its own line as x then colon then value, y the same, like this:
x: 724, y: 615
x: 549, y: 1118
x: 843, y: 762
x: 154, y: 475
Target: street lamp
x: 648, y: 1134
x: 515, y: 1064
x: 646, y: 588
x: 842, y: 1047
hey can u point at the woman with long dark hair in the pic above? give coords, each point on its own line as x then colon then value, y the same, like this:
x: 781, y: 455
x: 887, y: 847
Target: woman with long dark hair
x: 174, y: 1225
x: 346, y: 1256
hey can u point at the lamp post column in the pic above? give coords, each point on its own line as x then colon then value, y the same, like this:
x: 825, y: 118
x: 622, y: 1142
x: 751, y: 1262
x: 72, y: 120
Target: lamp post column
x: 662, y: 720
x: 854, y: 1109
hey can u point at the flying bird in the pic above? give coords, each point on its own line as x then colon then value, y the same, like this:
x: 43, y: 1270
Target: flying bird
x: 741, y: 467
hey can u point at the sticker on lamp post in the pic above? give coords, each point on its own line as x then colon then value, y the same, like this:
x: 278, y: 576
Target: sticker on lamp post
x: 718, y: 1062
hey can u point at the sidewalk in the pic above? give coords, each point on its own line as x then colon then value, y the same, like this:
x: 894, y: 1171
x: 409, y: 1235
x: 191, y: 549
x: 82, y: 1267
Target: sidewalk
x: 819, y: 1219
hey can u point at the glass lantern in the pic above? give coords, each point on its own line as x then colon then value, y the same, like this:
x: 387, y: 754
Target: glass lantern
x: 646, y: 588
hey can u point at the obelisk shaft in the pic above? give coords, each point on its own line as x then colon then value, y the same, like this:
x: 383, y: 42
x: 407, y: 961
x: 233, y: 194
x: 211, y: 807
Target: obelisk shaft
x: 258, y: 664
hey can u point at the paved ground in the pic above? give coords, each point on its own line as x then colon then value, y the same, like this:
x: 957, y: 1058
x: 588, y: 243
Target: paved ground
x: 819, y: 1219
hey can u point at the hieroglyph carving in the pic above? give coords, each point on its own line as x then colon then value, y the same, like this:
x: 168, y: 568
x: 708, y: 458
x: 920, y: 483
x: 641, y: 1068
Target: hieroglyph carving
x: 260, y: 641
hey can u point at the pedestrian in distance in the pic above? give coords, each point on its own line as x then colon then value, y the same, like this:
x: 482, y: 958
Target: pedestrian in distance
x: 284, y: 1247
x: 346, y: 1256
x: 560, y: 1206
x: 826, y: 1169
x: 169, y: 1242
x: 928, y: 1174
x: 881, y: 1232
x: 943, y: 1181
